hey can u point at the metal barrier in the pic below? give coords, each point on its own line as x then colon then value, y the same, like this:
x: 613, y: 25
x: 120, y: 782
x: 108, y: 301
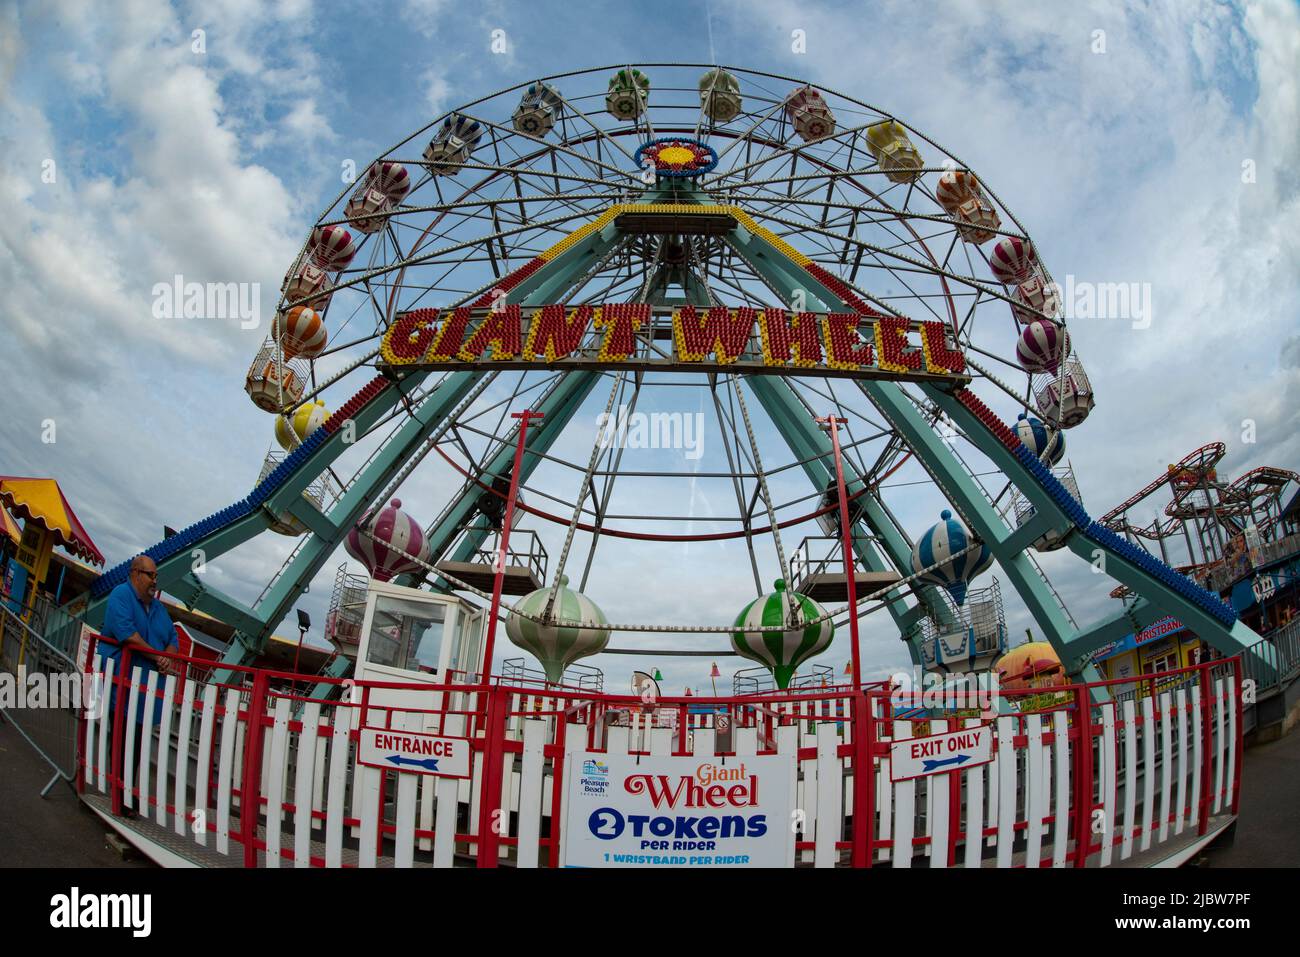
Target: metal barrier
x: 47, y: 692
x: 1274, y: 660
x: 257, y: 772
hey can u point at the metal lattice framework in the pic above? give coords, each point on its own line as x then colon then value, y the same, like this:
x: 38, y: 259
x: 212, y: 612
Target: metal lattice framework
x: 853, y: 218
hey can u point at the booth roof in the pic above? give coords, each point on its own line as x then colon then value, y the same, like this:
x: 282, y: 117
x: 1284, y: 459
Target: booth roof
x: 40, y: 500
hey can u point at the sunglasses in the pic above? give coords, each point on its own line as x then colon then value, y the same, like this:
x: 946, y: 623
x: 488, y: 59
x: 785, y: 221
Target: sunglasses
x: 149, y: 575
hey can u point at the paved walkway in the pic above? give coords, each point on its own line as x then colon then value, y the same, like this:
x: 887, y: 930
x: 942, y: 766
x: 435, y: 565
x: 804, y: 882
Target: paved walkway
x: 54, y: 831
x: 1268, y: 826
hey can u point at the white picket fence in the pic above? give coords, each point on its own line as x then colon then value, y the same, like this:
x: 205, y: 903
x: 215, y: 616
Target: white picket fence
x: 319, y: 807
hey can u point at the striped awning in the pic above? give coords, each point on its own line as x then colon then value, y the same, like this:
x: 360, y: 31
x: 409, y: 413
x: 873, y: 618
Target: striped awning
x: 40, y: 500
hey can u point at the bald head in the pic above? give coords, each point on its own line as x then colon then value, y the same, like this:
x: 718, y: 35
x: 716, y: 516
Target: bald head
x: 143, y: 575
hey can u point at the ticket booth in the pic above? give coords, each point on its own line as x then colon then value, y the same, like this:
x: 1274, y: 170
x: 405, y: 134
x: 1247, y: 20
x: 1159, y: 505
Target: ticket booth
x: 417, y: 637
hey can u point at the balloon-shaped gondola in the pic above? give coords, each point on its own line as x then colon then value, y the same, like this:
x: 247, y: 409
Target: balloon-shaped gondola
x: 782, y: 651
x: 395, y: 536
x: 556, y: 645
x: 939, y: 547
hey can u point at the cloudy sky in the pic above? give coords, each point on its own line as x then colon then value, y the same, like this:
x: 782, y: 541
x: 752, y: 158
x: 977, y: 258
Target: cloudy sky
x: 1155, y: 143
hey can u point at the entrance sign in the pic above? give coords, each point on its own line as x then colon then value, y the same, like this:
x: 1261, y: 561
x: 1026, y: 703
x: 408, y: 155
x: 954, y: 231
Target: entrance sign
x: 639, y: 336
x: 953, y: 751
x: 625, y: 811
x: 433, y: 754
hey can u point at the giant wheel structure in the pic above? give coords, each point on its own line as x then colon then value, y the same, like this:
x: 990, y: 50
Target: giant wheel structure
x: 677, y: 186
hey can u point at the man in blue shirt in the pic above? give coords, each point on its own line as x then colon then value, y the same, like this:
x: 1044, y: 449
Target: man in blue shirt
x: 136, y: 619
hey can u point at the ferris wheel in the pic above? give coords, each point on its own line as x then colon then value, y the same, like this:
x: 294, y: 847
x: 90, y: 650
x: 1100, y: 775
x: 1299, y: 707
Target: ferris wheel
x: 833, y: 288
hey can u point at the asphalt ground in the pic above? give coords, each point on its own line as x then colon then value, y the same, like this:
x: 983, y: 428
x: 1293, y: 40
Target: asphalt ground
x: 52, y: 831
x: 1268, y: 822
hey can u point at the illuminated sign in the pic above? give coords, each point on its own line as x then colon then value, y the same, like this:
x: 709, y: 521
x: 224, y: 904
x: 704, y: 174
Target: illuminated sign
x: 641, y: 337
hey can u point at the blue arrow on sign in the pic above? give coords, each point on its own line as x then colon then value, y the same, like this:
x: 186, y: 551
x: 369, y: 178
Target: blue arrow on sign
x: 933, y: 763
x: 430, y: 764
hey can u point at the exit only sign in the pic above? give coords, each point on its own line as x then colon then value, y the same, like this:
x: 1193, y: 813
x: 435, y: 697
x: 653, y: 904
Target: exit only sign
x: 953, y: 751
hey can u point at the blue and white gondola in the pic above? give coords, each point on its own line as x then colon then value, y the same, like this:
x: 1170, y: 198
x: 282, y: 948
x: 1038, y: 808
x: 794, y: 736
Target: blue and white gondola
x: 940, y: 546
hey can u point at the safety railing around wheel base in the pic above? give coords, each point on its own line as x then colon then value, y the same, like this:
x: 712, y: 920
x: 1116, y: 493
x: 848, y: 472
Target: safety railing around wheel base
x: 1274, y: 661
x: 258, y: 773
x: 42, y: 691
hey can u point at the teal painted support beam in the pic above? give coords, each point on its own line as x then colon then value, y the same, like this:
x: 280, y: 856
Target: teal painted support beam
x: 1160, y: 595
x: 558, y: 407
x: 547, y: 282
x: 1229, y: 641
x: 317, y: 523
x: 1030, y: 532
x: 195, y: 593
x: 960, y: 489
x: 175, y: 568
x: 172, y: 571
x: 789, y: 416
x: 401, y: 445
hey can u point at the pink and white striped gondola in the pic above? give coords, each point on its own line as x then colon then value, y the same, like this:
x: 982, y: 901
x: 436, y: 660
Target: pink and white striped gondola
x: 332, y: 247
x: 394, y: 533
x: 1012, y: 260
x: 391, y: 179
x: 1042, y: 345
x: 811, y: 118
x: 1036, y: 293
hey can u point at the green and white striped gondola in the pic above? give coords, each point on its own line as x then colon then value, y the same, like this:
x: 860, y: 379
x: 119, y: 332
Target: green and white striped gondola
x: 554, y: 646
x: 782, y: 651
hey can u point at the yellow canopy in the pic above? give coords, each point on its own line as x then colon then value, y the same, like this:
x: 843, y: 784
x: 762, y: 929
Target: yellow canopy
x: 8, y: 526
x: 40, y: 500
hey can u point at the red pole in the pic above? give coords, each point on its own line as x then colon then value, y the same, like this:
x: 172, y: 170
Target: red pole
x: 250, y: 789
x: 831, y: 424
x: 864, y: 778
x: 489, y: 644
x: 115, y: 773
x: 490, y: 810
x: 1083, y: 779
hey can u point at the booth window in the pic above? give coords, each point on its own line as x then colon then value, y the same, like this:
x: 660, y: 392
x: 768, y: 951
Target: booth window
x: 406, y: 634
